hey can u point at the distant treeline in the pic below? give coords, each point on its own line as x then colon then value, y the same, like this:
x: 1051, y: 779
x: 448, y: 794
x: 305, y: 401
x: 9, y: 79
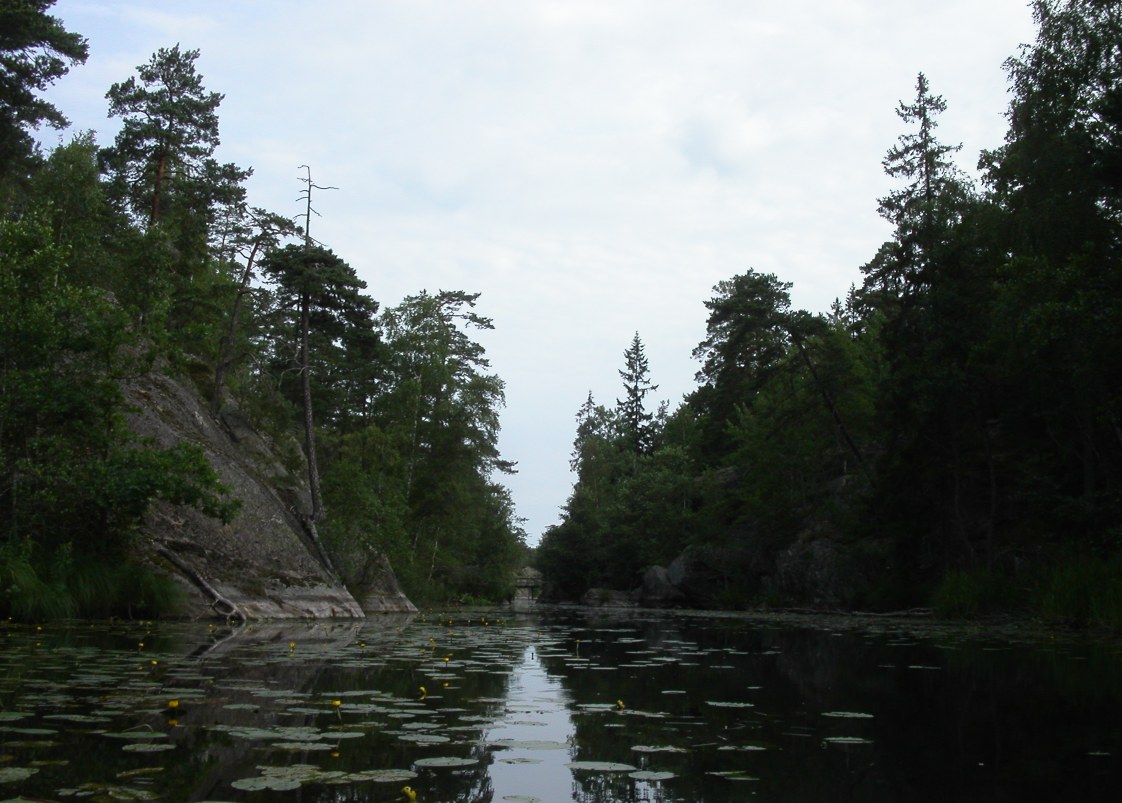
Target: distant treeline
x: 956, y: 421
x: 145, y: 254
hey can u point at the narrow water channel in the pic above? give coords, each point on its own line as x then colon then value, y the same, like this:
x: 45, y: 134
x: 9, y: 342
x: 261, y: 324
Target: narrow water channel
x: 566, y: 705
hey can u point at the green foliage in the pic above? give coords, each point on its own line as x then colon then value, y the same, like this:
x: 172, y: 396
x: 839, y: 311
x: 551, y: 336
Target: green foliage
x: 970, y: 593
x: 63, y: 585
x: 957, y: 416
x: 73, y: 483
x: 35, y: 51
x: 148, y: 249
x: 1083, y: 590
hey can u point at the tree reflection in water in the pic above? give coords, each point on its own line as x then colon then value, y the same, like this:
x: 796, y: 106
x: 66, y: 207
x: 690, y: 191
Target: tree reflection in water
x: 517, y: 708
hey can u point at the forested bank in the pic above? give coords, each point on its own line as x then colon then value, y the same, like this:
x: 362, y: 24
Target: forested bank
x: 145, y: 254
x: 950, y: 433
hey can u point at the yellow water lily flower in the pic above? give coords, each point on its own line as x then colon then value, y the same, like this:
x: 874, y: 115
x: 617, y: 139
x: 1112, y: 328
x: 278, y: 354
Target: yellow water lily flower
x: 173, y: 704
x: 336, y: 703
x: 620, y: 705
x: 424, y: 692
x: 410, y: 795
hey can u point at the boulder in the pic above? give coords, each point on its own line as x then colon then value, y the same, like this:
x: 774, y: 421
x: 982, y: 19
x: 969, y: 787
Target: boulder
x: 658, y: 591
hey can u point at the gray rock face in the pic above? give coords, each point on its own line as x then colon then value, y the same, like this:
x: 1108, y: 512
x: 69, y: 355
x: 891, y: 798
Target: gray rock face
x: 263, y: 562
x: 712, y: 577
x: 658, y: 591
x: 608, y: 598
x: 820, y: 573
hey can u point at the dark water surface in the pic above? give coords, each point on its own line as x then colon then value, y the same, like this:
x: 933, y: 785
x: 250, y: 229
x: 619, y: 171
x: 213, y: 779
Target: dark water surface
x: 559, y: 706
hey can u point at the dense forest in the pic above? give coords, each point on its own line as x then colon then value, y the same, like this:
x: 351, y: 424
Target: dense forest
x: 950, y: 434
x: 144, y: 254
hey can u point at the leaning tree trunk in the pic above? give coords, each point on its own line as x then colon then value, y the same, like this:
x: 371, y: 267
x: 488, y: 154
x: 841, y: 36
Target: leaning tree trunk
x: 310, y: 435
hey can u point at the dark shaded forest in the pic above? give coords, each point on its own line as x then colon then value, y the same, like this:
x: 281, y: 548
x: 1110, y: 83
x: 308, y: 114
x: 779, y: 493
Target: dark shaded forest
x: 144, y: 254
x: 950, y: 433
x: 947, y: 435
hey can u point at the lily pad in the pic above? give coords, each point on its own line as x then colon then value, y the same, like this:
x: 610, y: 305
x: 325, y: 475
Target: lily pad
x: 138, y: 735
x: 734, y: 775
x: 383, y: 776
x: 424, y: 738
x: 16, y: 774
x: 847, y: 714
x: 650, y: 775
x: 445, y: 761
x: 601, y: 766
x: 528, y: 744
x: 147, y: 747
x: 263, y: 782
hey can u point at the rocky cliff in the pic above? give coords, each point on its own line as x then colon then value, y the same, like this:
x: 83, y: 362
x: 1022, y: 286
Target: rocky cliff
x: 262, y: 565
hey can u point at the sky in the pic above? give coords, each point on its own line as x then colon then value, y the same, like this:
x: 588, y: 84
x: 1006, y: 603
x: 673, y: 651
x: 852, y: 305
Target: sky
x: 591, y: 167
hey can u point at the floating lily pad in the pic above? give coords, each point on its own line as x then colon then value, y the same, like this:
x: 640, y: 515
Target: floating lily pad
x: 147, y: 747
x: 343, y: 734
x: 646, y: 748
x: 601, y: 766
x: 734, y: 775
x: 719, y: 704
x: 424, y: 738
x: 31, y: 731
x: 301, y: 746
x: 445, y: 761
x: 847, y: 740
x: 138, y: 735
x: 16, y: 774
x: 847, y: 714
x: 528, y: 744
x: 263, y: 782
x: 650, y: 775
x: 383, y: 776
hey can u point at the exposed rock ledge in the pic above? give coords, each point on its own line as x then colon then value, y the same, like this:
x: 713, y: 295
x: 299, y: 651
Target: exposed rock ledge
x: 261, y: 565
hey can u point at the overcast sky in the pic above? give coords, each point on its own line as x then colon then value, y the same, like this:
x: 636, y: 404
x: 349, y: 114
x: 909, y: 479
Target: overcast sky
x: 592, y: 167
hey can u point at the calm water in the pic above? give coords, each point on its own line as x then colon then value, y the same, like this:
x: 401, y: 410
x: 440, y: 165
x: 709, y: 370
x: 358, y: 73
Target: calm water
x: 558, y: 706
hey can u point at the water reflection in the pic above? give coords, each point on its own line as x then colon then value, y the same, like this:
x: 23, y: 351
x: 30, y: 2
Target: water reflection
x: 557, y: 706
x: 533, y: 738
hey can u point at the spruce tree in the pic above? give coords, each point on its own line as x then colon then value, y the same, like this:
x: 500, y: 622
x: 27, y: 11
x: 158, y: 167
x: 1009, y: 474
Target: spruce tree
x: 637, y: 424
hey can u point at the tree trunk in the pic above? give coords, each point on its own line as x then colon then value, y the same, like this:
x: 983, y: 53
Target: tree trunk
x: 316, y: 514
x: 227, y: 344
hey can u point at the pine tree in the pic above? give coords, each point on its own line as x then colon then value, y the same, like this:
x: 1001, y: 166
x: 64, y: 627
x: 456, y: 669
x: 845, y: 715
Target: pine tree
x: 35, y: 51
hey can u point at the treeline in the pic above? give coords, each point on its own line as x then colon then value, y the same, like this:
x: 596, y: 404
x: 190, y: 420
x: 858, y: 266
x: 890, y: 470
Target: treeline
x: 144, y: 254
x: 951, y: 432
